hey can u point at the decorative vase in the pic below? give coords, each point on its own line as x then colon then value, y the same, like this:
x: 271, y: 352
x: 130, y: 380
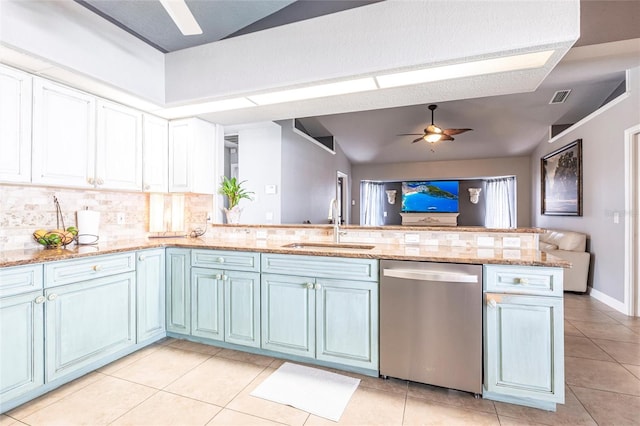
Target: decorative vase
x: 233, y: 215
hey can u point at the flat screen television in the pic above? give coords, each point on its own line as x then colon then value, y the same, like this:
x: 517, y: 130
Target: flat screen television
x: 433, y: 196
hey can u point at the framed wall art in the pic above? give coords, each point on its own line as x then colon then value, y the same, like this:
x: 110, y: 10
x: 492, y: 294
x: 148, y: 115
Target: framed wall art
x: 561, y: 172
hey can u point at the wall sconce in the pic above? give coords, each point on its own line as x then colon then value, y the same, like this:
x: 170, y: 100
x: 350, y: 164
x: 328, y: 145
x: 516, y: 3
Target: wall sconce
x: 391, y: 195
x: 166, y: 219
x: 474, y: 195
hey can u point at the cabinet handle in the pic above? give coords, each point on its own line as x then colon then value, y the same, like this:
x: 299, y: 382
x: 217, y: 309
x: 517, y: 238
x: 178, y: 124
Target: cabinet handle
x: 522, y: 281
x: 90, y: 181
x: 221, y: 260
x: 97, y: 268
x: 318, y: 287
x: 40, y: 299
x: 100, y: 181
x: 142, y: 257
x: 52, y: 297
x: 309, y: 286
x: 492, y: 303
x: 147, y: 187
x: 218, y: 276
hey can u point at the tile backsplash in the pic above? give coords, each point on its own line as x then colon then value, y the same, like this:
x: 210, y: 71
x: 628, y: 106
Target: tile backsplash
x: 23, y: 209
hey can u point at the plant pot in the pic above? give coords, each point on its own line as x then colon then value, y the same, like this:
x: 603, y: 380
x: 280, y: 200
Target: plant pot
x: 233, y: 215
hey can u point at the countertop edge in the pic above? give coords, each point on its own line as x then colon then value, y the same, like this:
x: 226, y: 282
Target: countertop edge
x: 380, y: 251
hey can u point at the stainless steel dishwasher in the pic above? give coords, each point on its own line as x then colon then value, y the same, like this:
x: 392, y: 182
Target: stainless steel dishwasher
x: 431, y: 323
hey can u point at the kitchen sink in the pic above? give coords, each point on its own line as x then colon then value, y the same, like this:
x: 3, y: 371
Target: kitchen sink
x: 329, y: 246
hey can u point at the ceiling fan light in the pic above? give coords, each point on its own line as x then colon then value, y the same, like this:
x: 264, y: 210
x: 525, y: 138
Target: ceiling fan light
x: 432, y: 128
x: 433, y: 137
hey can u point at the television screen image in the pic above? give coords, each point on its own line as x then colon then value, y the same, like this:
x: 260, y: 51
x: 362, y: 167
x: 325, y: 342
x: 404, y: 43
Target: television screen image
x: 436, y: 196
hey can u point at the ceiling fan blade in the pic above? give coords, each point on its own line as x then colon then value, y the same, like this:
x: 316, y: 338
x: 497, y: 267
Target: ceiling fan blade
x: 182, y: 16
x: 417, y: 140
x: 455, y: 131
x: 446, y: 138
x: 410, y: 134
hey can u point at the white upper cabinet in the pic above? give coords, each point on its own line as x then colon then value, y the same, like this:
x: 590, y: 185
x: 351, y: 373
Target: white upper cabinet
x: 119, y: 147
x: 155, y: 154
x: 193, y: 156
x: 63, y: 136
x: 15, y: 126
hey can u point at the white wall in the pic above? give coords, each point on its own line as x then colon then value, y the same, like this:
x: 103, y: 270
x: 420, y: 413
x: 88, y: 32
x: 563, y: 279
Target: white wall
x: 488, y: 167
x: 603, y: 187
x: 309, y: 175
x: 259, y: 161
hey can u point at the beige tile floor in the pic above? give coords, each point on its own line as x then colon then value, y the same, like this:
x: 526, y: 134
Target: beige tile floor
x: 182, y: 383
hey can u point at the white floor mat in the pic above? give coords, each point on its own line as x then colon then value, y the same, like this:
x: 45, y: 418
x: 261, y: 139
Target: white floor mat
x: 316, y: 391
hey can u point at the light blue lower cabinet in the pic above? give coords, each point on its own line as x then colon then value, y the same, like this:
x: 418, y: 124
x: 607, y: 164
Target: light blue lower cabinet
x: 242, y: 308
x: 524, y: 349
x: 150, y: 294
x: 347, y: 322
x: 87, y: 321
x: 207, y: 303
x: 288, y: 314
x: 178, y: 286
x: 21, y: 345
x: 329, y: 320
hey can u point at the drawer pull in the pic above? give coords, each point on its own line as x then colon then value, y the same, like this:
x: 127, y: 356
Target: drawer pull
x: 97, y: 268
x: 40, y: 299
x: 318, y: 287
x: 142, y: 257
x: 309, y: 286
x: 52, y: 297
x: 522, y: 281
x: 221, y: 260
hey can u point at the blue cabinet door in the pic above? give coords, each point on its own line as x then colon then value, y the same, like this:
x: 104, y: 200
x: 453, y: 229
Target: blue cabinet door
x: 524, y: 347
x: 242, y: 308
x: 207, y: 307
x: 150, y: 283
x: 21, y: 345
x: 288, y: 314
x: 87, y: 321
x: 178, y: 286
x: 347, y: 322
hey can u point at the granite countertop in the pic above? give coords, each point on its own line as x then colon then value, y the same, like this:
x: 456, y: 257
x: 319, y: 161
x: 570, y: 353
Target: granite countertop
x: 379, y: 251
x: 402, y: 228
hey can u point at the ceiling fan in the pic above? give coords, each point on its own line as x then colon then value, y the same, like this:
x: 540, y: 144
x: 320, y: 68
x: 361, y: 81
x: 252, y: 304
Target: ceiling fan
x: 434, y: 133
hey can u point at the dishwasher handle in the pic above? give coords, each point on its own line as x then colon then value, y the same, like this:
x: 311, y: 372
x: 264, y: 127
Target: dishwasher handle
x: 427, y: 275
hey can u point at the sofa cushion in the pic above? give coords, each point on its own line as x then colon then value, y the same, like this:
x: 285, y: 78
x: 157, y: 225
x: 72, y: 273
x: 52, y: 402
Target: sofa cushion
x: 565, y: 240
x: 546, y: 246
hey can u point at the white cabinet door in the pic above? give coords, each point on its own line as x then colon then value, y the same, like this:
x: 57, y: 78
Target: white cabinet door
x: 15, y: 126
x: 524, y: 350
x: 193, y: 156
x: 155, y: 154
x: 63, y: 136
x: 119, y: 147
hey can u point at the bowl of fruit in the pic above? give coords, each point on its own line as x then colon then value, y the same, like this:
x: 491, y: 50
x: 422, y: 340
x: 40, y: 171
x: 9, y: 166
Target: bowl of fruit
x: 56, y: 238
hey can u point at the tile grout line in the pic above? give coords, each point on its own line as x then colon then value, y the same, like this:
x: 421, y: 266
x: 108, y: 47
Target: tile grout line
x: 581, y: 404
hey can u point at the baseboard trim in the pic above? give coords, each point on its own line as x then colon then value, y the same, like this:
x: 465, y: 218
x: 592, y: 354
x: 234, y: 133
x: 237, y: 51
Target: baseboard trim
x: 608, y: 300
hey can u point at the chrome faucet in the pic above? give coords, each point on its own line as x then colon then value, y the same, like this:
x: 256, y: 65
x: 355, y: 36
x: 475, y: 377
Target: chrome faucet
x: 336, y: 221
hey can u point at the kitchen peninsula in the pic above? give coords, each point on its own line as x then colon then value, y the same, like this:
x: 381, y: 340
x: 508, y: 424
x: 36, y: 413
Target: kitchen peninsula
x: 229, y: 289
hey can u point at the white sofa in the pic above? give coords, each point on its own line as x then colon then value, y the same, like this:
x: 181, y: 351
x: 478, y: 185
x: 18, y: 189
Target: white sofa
x: 571, y: 246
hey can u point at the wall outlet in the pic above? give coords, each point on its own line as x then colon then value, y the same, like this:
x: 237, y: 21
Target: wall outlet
x: 120, y: 219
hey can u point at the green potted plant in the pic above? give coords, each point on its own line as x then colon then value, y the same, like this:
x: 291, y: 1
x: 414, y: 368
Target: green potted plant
x: 234, y: 192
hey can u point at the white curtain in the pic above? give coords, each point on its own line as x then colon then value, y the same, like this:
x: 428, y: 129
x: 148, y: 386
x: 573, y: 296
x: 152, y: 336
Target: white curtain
x: 372, y: 196
x: 501, y: 203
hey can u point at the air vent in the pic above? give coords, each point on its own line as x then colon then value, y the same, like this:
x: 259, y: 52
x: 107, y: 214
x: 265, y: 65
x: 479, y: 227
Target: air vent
x: 560, y: 96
